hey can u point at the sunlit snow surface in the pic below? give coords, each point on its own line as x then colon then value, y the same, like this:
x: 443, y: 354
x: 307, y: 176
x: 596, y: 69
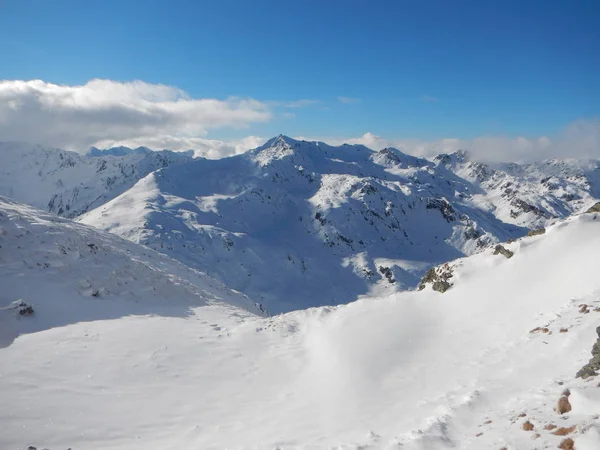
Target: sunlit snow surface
x: 165, y: 357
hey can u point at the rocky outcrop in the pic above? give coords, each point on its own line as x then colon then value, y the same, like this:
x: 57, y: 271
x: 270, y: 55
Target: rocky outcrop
x: 521, y: 207
x: 21, y: 308
x: 593, y: 366
x: 594, y: 209
x: 443, y: 206
x: 388, y: 274
x: 536, y: 232
x: 501, y: 250
x: 563, y: 405
x: 438, y: 278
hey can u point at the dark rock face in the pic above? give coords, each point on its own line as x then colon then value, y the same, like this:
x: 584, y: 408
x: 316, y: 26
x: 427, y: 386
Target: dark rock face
x: 501, y: 250
x: 524, y: 207
x: 438, y: 277
x: 536, y: 232
x: 594, y: 209
x: 472, y: 233
x: 443, y: 206
x: 441, y: 286
x: 593, y: 366
x: 22, y: 308
x: 387, y: 272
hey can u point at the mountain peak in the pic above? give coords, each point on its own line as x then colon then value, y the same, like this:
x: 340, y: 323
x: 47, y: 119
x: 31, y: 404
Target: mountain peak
x: 457, y: 156
x: 279, y: 140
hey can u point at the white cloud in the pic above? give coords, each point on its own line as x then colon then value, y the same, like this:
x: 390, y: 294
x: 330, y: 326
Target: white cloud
x: 348, y: 100
x: 208, y: 148
x: 76, y: 117
x: 302, y: 103
x: 106, y: 113
x: 581, y: 139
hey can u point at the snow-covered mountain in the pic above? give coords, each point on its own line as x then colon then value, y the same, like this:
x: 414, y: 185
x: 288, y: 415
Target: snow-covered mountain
x: 69, y: 184
x: 295, y: 224
x: 154, y: 360
x: 530, y: 195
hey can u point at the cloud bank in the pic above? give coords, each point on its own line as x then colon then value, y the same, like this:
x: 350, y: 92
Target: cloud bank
x: 76, y: 117
x: 581, y: 139
x: 105, y: 113
x: 207, y: 148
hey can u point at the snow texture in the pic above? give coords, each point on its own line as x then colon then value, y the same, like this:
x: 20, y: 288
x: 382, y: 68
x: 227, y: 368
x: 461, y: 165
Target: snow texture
x: 187, y: 365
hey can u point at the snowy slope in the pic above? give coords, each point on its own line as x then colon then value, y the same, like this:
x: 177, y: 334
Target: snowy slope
x: 69, y: 184
x: 414, y: 370
x: 295, y: 224
x: 71, y: 273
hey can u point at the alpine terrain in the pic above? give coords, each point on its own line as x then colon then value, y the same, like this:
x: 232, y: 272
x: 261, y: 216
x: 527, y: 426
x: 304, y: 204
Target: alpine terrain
x: 110, y: 345
x: 298, y: 295
x: 294, y: 224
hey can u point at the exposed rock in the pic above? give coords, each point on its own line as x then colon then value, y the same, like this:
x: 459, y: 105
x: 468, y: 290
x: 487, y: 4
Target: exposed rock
x: 387, y: 272
x: 563, y: 431
x: 567, y: 444
x: 472, y: 233
x: 528, y: 426
x: 438, y: 277
x: 594, y: 209
x: 441, y: 286
x: 429, y: 277
x: 591, y: 368
x: 540, y: 330
x: 524, y: 207
x: 501, y: 250
x: 563, y: 405
x: 443, y: 206
x: 536, y: 232
x: 23, y: 309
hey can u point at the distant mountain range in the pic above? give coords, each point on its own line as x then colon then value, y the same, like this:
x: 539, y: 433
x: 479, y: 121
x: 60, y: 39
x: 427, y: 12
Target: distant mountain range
x: 294, y: 224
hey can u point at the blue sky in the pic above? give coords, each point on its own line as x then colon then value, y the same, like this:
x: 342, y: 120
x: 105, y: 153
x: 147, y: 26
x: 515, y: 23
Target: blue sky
x: 425, y: 69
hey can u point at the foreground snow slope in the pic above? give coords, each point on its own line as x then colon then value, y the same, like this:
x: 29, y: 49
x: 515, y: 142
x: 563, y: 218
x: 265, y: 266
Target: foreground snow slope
x: 414, y: 370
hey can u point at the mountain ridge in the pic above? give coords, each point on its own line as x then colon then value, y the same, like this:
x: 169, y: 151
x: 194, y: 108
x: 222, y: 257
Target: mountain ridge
x: 295, y: 223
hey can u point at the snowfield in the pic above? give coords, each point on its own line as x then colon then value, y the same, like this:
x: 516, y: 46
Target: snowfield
x: 128, y: 349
